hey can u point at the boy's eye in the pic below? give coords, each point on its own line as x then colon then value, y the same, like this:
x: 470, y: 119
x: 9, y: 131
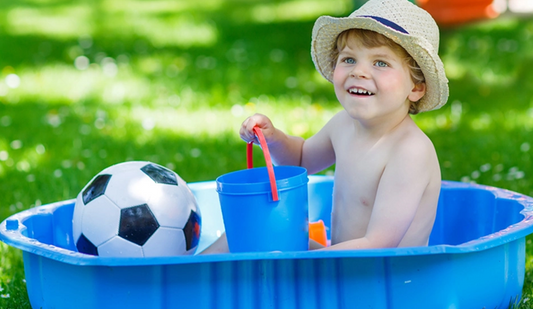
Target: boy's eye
x: 381, y: 64
x: 349, y: 60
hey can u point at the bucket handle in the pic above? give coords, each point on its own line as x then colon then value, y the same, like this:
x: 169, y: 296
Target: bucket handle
x: 268, y: 160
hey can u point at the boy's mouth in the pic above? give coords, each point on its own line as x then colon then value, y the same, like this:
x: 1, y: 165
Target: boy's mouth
x: 360, y: 91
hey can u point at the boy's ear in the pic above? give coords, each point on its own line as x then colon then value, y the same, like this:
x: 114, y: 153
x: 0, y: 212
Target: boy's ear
x: 418, y: 91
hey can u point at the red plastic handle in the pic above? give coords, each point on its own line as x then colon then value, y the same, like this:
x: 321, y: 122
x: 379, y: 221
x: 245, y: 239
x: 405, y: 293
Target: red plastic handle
x: 268, y: 160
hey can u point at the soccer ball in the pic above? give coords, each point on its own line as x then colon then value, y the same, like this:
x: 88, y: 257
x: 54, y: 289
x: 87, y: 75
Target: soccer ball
x: 136, y: 209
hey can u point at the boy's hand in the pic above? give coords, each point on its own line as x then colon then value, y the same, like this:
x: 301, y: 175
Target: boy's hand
x: 258, y: 120
x: 284, y: 149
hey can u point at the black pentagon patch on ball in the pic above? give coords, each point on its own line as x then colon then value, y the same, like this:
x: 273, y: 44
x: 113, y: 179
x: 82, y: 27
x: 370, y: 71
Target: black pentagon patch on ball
x: 137, y: 224
x: 96, y: 188
x: 86, y: 246
x: 192, y: 230
x: 160, y: 174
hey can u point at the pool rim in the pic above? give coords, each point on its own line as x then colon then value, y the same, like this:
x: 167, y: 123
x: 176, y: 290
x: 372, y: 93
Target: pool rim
x: 14, y: 237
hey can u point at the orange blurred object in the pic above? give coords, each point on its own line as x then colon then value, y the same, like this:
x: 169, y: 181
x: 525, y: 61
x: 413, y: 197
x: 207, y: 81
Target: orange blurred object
x: 317, y: 232
x: 456, y: 12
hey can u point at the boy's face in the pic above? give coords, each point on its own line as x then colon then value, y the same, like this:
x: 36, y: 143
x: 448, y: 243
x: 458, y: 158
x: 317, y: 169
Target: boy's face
x: 372, y: 83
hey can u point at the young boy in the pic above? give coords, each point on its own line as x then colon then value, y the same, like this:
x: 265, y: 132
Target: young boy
x: 383, y: 63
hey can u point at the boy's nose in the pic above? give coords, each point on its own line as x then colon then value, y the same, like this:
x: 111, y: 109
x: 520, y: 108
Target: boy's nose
x: 359, y: 71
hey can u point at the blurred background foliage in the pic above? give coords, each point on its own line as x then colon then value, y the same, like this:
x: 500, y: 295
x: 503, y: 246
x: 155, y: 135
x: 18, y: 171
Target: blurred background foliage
x: 86, y: 84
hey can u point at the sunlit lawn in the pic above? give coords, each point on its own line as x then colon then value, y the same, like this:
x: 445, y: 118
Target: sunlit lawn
x: 84, y: 85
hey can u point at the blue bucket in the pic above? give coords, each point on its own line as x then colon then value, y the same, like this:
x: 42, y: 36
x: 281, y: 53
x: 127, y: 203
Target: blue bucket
x: 254, y: 222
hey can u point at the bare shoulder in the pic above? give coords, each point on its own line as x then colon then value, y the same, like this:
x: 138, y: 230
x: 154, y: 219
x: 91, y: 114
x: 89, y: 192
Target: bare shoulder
x: 413, y: 147
x: 412, y: 140
x: 340, y: 119
x: 338, y: 123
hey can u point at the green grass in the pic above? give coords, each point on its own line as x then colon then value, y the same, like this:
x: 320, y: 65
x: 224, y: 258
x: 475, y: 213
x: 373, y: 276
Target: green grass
x: 171, y: 81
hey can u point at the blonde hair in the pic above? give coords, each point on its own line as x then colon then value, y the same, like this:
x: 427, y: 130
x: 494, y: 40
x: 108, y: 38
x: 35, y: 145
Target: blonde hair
x: 371, y: 39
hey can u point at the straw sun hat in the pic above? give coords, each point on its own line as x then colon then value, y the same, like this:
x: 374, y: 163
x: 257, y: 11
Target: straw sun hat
x: 399, y: 20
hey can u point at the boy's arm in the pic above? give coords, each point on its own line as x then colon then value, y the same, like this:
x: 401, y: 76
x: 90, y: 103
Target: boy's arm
x: 400, y: 190
x: 318, y: 153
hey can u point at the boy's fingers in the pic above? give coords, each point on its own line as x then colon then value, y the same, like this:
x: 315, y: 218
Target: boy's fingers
x: 250, y: 129
x: 245, y: 136
x: 246, y: 131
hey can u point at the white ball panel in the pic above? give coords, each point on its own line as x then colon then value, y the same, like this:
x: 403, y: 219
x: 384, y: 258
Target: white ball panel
x: 77, y: 218
x: 165, y: 242
x: 119, y: 247
x: 130, y: 188
x: 193, y: 203
x: 192, y: 199
x: 124, y: 166
x: 100, y: 220
x: 170, y: 205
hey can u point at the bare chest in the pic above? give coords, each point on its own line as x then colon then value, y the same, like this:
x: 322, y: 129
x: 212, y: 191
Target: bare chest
x: 358, y: 172
x: 357, y: 176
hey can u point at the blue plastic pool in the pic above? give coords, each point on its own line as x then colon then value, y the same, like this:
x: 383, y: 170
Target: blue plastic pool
x: 476, y: 259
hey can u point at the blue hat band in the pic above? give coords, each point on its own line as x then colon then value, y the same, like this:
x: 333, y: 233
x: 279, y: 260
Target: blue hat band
x: 387, y: 23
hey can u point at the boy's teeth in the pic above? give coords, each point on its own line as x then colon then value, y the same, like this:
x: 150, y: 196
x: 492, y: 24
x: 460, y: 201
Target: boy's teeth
x: 360, y: 91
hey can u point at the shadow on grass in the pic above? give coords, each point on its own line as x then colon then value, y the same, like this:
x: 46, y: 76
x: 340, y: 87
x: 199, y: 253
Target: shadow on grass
x: 247, y: 57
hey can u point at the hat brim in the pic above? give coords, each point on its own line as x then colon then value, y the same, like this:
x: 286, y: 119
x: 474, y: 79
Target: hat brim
x: 327, y: 29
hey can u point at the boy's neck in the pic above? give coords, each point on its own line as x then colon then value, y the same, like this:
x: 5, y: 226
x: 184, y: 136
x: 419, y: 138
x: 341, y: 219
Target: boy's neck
x: 377, y: 128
